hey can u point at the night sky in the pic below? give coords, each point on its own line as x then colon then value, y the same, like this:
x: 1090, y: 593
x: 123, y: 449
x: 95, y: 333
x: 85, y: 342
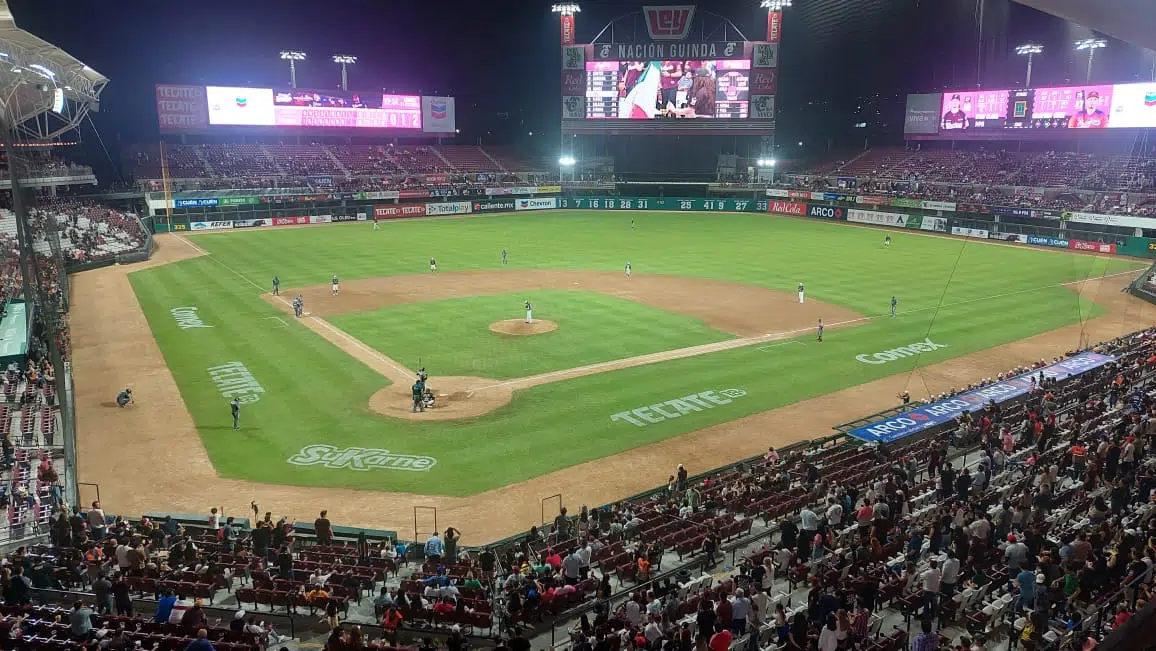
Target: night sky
x: 501, y: 58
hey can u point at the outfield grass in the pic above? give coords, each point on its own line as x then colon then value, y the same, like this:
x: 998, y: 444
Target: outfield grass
x: 592, y: 328
x: 314, y: 393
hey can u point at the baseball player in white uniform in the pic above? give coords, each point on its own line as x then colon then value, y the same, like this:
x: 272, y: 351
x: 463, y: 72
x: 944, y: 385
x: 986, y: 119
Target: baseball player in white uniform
x: 801, y: 293
x: 336, y: 285
x: 433, y: 264
x: 627, y: 268
x: 529, y: 312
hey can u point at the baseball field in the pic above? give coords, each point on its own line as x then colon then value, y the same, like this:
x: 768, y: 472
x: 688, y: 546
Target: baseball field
x: 703, y: 355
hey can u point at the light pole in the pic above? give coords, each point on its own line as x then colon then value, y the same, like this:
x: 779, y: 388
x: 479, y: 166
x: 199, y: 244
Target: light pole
x: 344, y: 60
x: 564, y: 163
x: 292, y: 56
x: 774, y: 18
x: 566, y: 11
x: 1029, y: 50
x: 1091, y: 45
x: 764, y: 163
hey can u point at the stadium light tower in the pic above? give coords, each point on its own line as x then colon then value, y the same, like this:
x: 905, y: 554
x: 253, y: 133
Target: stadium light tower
x: 292, y: 56
x: 1091, y: 45
x: 566, y: 11
x: 566, y: 163
x: 1029, y: 50
x: 344, y: 60
x: 764, y: 163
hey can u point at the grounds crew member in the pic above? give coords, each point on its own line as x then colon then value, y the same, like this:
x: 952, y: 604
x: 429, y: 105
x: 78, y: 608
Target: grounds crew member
x: 124, y: 397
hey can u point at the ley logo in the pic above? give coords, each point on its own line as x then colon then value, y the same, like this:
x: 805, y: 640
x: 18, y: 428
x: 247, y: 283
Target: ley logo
x: 670, y: 23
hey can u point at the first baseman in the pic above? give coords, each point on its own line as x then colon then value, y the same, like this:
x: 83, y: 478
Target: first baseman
x: 336, y: 285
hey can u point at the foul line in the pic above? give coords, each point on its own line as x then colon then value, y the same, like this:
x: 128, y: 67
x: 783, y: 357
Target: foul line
x: 784, y: 343
x: 280, y: 320
x: 333, y: 329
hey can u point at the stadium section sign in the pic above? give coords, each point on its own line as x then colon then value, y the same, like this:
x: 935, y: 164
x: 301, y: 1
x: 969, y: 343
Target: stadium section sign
x: 943, y: 411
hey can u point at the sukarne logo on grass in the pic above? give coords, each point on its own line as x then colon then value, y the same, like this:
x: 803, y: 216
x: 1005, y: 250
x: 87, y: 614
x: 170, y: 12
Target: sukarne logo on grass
x: 910, y: 350
x: 677, y: 407
x: 361, y: 459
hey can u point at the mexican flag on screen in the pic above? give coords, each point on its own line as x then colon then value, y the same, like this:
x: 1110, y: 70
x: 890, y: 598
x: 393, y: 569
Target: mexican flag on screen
x: 641, y: 101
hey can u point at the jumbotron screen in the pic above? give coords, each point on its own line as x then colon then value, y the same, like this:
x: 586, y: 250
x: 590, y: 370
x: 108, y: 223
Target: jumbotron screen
x: 1023, y: 112
x: 264, y: 107
x: 650, y: 90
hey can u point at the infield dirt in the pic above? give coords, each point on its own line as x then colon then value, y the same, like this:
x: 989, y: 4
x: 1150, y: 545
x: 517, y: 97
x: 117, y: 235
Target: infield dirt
x: 150, y: 457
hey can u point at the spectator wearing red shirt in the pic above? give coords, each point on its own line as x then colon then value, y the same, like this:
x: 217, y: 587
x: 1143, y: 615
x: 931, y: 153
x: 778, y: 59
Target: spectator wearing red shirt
x: 721, y: 640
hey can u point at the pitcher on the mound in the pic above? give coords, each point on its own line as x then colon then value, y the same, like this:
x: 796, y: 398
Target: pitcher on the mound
x: 529, y: 312
x: 336, y: 285
x: 801, y: 293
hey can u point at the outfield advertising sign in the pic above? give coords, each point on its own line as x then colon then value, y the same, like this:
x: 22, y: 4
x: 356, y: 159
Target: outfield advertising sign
x: 877, y: 218
x: 900, y: 202
x: 949, y: 206
x: 1010, y: 212
x: 448, y: 208
x: 788, y: 208
x: 826, y: 212
x: 238, y: 201
x: 536, y: 204
x: 493, y: 206
x: 663, y: 203
x: 936, y: 224
x: 290, y: 221
x: 943, y: 411
x: 404, y: 210
x: 1097, y: 247
x: 978, y: 233
x: 209, y: 226
x: 199, y: 202
x: 249, y: 223
x: 348, y: 218
x: 1041, y: 240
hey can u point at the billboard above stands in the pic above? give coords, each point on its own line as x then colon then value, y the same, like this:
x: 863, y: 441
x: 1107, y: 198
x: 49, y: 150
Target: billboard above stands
x: 1041, y: 112
x: 1109, y: 220
x: 437, y: 115
x: 922, y: 115
x: 181, y: 108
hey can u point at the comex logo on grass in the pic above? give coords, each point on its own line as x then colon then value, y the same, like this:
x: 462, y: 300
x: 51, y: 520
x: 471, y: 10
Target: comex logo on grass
x: 361, y: 459
x: 910, y: 350
x: 678, y: 407
x: 233, y: 380
x: 187, y: 317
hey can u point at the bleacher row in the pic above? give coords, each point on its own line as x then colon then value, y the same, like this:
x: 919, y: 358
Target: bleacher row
x: 342, y: 161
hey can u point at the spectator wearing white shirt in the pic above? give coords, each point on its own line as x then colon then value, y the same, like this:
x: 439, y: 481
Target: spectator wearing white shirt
x: 652, y: 632
x: 950, y: 576
x: 834, y: 513
x: 571, y: 568
x: 931, y: 579
x: 632, y: 611
x: 584, y: 553
x: 740, y: 609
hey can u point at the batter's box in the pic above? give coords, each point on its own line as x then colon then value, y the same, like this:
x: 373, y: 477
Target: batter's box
x: 778, y: 345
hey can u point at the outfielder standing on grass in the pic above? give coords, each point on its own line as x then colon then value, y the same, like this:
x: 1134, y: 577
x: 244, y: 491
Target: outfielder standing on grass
x: 235, y: 407
x: 627, y: 268
x: 820, y: 331
x: 433, y: 264
x: 376, y: 226
x: 894, y: 302
x: 801, y: 293
x: 504, y: 257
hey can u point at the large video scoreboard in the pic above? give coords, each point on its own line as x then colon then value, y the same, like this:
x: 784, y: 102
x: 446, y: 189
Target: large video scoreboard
x: 1031, y: 112
x: 669, y: 87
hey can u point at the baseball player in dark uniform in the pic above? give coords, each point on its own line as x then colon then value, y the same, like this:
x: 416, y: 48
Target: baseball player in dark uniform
x: 376, y: 225
x: 505, y: 259
x: 298, y: 306
x: 235, y: 408
x: 820, y: 331
x: 124, y: 398
x: 276, y: 286
x: 894, y: 302
x: 416, y: 390
x: 887, y: 240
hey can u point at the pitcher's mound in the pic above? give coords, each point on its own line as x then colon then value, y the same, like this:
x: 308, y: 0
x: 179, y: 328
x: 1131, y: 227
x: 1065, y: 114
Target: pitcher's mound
x: 520, y: 327
x: 455, y: 397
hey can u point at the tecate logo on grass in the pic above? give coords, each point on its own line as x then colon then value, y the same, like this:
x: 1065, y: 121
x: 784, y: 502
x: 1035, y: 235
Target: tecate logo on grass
x: 187, y: 317
x: 678, y: 407
x: 361, y: 459
x: 233, y: 380
x: 910, y: 350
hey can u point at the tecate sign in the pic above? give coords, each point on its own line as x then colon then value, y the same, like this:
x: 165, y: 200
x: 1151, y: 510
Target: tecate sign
x: 361, y: 459
x: 677, y: 407
x: 910, y: 350
x: 536, y: 204
x: 399, y: 211
x: 788, y: 208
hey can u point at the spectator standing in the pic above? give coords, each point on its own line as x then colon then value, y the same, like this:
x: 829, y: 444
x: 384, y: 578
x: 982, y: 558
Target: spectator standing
x: 926, y: 640
x: 950, y: 576
x: 80, y: 621
x: 740, y: 610
x: 451, y: 544
x: 434, y: 548
x: 102, y: 591
x: 201, y: 643
x: 323, y: 528
x: 121, y: 597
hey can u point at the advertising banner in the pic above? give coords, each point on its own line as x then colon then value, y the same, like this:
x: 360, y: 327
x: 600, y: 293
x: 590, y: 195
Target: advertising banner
x: 548, y: 189
x: 668, y: 23
x: 948, y: 206
x: 182, y: 108
x: 436, y: 178
x: 937, y: 224
x: 371, y: 196
x: 778, y: 193
x: 764, y: 81
x: 567, y: 29
x: 1085, y: 245
x: 238, y: 201
x: 249, y: 223
x: 321, y: 219
x: 448, y: 208
x: 944, y: 411
x: 825, y: 212
x: 1110, y: 220
x: 498, y: 192
x: 209, y: 226
x: 922, y: 115
x: 389, y: 212
x: 804, y: 194
x: 774, y: 26
x: 877, y: 218
x: 199, y: 202
x: 413, y: 194
x: 322, y: 181
x: 437, y: 115
x: 978, y: 233
x: 524, y: 189
x: 1041, y: 240
x: 497, y: 205
x: 574, y: 57
x: 686, y: 50
x: 573, y: 83
x: 290, y: 221
x: 536, y: 204
x: 872, y: 200
x: 839, y: 196
x: 787, y: 208
x: 348, y: 218
x: 765, y: 55
x: 915, y: 222
x: 972, y: 208
x: 442, y: 192
x: 900, y: 202
x: 1004, y: 211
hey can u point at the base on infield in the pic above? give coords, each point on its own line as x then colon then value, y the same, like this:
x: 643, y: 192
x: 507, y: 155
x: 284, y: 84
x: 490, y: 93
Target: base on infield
x: 455, y: 397
x: 519, y: 327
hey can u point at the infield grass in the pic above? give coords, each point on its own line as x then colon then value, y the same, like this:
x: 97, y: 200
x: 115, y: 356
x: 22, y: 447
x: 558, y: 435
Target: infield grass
x: 966, y: 295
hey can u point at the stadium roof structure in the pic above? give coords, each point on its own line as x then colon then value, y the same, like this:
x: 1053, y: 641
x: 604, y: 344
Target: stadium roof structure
x: 35, y: 77
x: 1131, y: 21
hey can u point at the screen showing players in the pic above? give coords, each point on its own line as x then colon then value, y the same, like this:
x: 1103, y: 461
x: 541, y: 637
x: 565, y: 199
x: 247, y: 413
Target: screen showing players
x: 1090, y: 106
x: 655, y: 90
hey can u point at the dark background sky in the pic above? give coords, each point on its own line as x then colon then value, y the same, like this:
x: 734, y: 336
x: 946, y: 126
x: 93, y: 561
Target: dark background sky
x: 842, y: 61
